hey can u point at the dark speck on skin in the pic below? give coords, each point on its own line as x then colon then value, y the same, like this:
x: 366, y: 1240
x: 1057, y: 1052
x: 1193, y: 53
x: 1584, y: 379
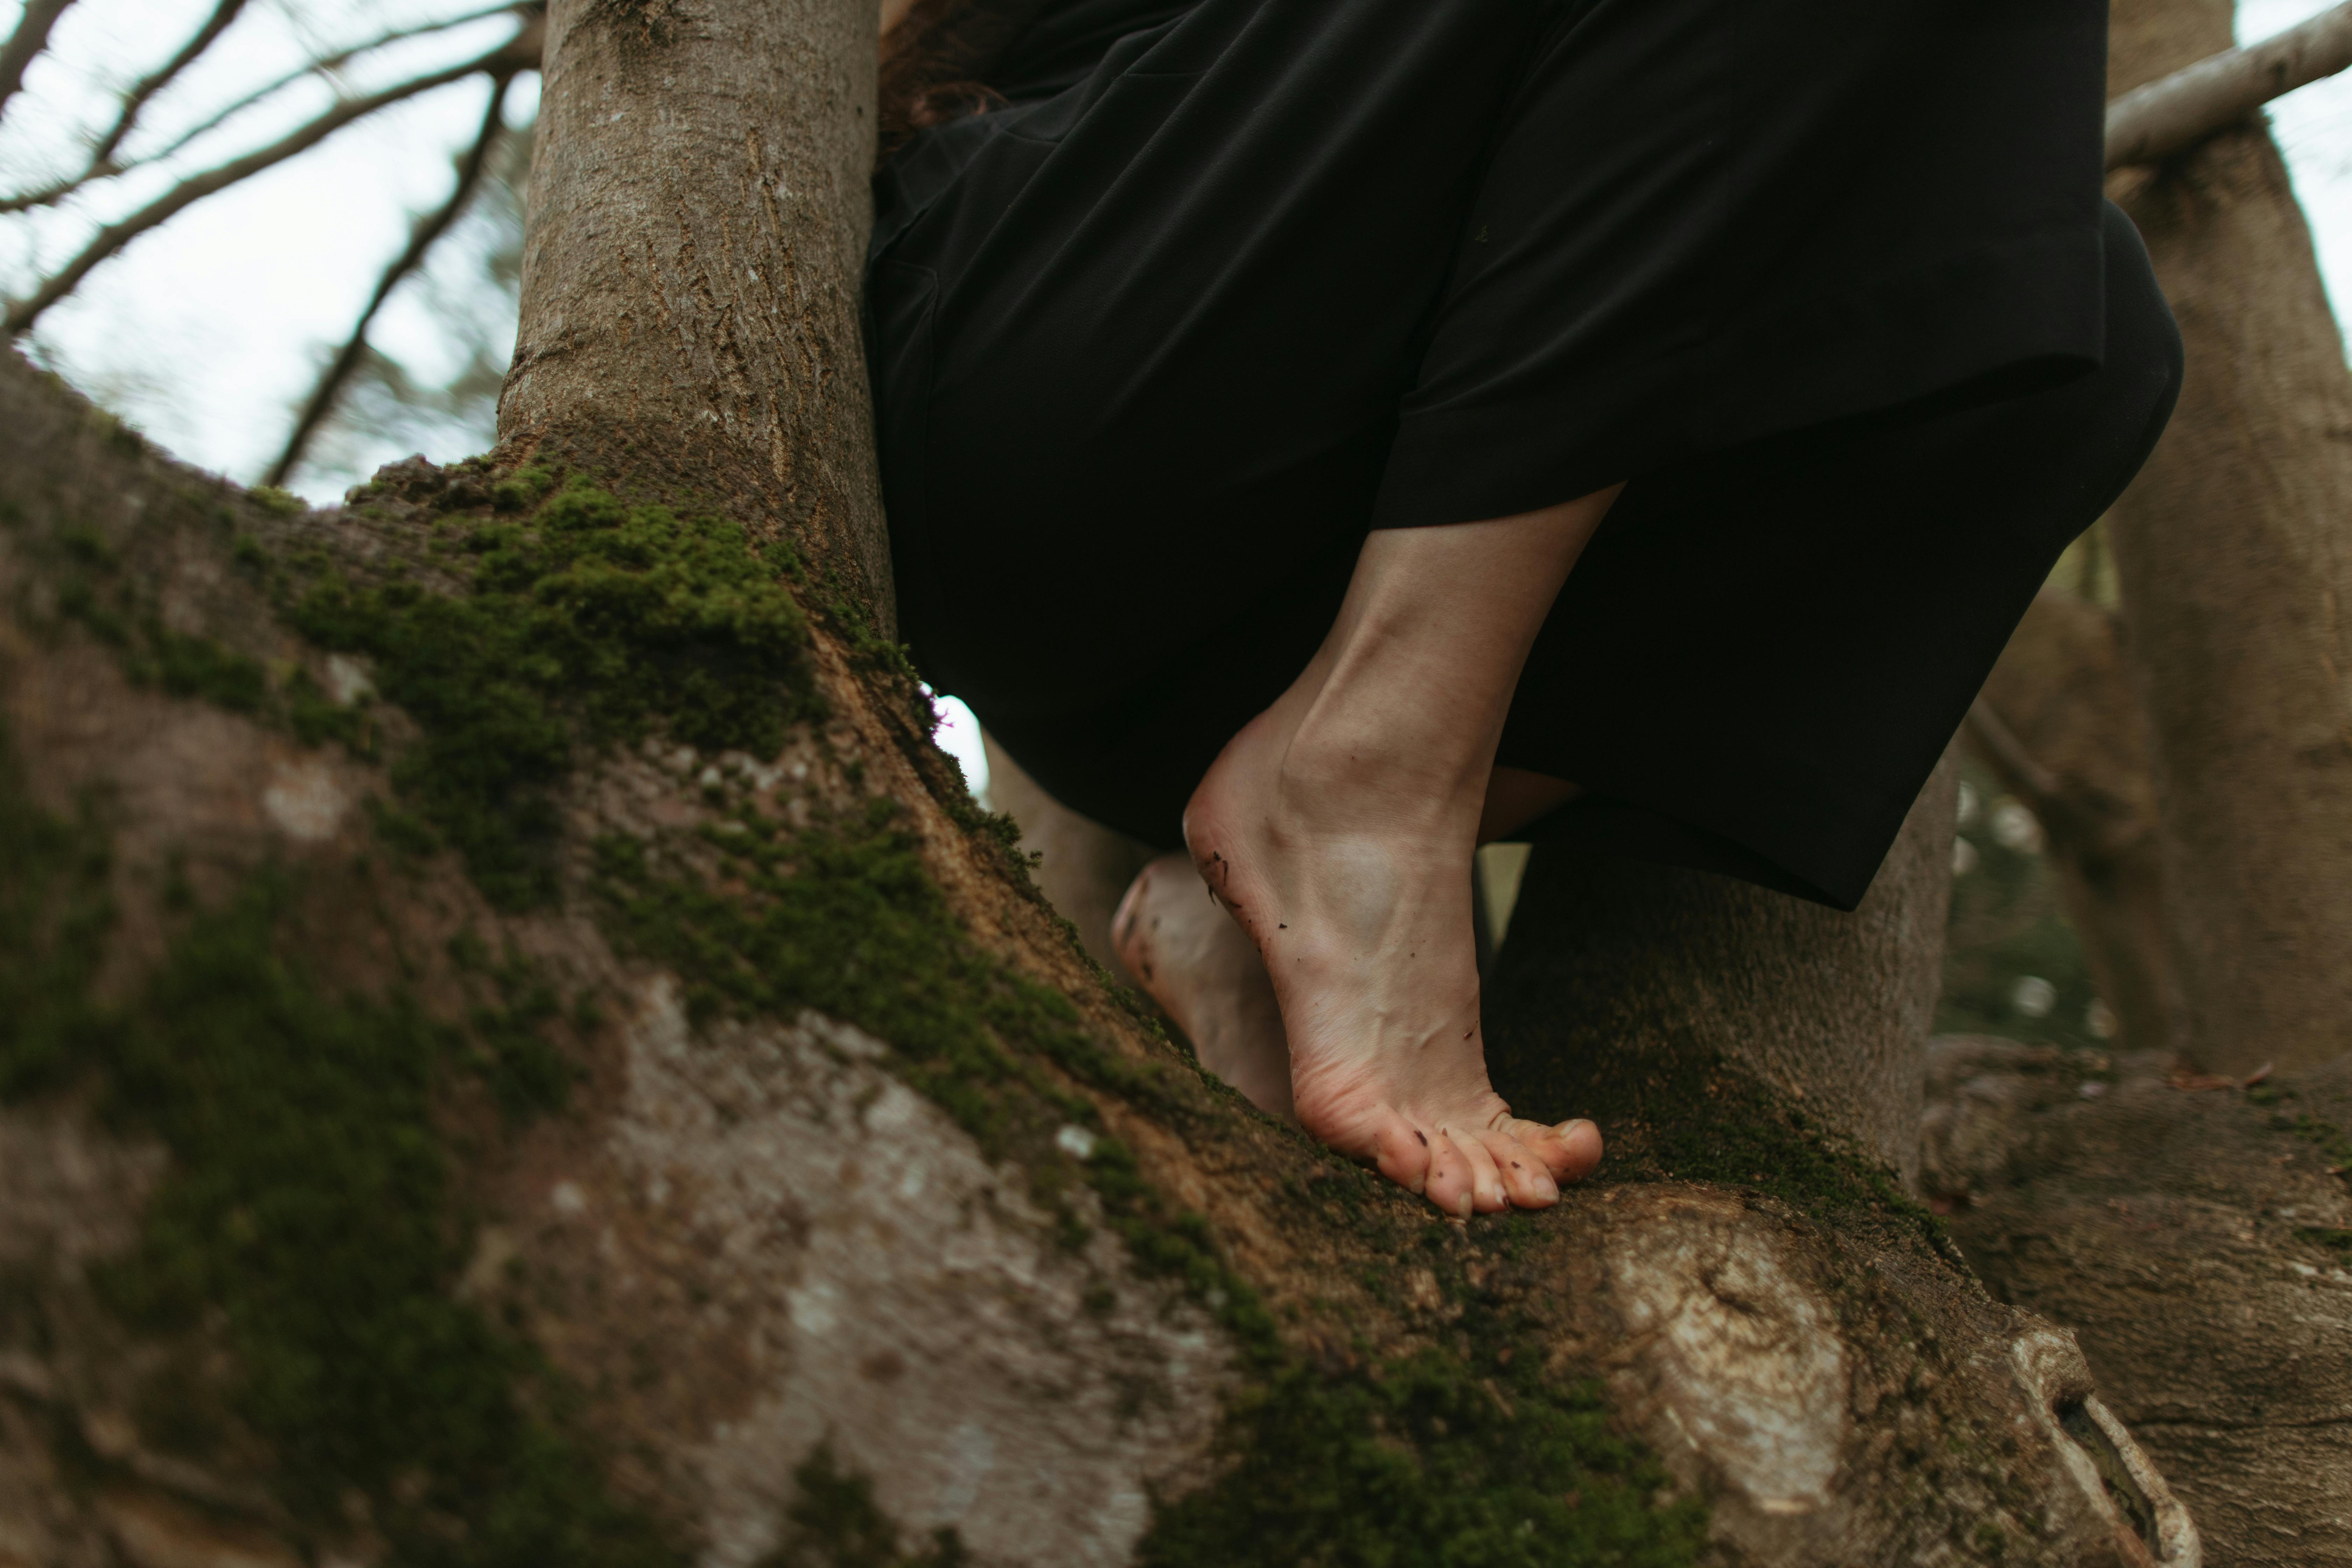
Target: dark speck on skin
x: 1422, y: 1136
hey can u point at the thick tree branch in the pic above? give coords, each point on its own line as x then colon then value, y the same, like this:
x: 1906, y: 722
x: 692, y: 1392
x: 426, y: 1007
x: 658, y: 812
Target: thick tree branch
x: 31, y: 36
x: 420, y: 243
x: 2174, y: 113
x: 520, y: 53
x: 103, y: 168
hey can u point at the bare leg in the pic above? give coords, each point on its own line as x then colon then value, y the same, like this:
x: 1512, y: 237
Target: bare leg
x: 1337, y: 829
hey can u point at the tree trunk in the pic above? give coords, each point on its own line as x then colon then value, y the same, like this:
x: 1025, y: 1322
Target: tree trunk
x: 519, y: 1050
x: 2061, y: 725
x: 695, y: 234
x: 2235, y: 550
x: 1758, y: 1058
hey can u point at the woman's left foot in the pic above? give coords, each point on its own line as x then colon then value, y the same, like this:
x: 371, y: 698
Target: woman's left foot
x: 1180, y: 946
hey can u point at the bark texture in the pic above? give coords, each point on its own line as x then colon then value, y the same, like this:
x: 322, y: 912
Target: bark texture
x: 1616, y: 972
x: 2234, y: 548
x: 698, y: 224
x: 2197, y: 1237
x: 2061, y: 725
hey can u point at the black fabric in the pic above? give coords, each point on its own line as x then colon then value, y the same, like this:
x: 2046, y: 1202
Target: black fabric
x: 1156, y: 345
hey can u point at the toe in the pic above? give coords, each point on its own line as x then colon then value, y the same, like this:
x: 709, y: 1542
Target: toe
x: 1486, y: 1190
x: 1526, y: 1181
x: 1568, y: 1151
x: 1582, y: 1140
x: 1404, y: 1155
x: 1452, y: 1181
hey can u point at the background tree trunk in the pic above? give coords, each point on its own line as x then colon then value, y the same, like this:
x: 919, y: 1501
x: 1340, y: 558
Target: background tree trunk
x: 2060, y: 726
x: 2235, y: 552
x: 1619, y: 979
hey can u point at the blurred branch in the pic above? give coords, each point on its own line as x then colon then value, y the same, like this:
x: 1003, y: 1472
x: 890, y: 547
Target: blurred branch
x: 519, y: 53
x: 420, y: 242
x: 2173, y: 113
x: 147, y: 87
x: 103, y: 167
x: 31, y: 36
x: 2044, y: 793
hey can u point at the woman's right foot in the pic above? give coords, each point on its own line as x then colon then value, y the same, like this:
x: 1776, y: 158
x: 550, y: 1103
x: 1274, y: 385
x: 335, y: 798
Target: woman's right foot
x: 1348, y: 872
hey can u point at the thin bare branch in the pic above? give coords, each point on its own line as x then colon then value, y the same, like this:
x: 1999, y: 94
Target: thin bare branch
x: 2043, y: 791
x: 420, y: 243
x: 2173, y: 113
x: 102, y: 169
x: 155, y: 81
x: 519, y: 53
x: 31, y: 36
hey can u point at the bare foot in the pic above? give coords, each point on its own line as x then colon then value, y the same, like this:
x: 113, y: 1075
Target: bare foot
x: 1353, y: 882
x: 1179, y: 945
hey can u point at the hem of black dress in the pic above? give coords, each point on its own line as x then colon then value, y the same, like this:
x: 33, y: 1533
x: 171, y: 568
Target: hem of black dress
x: 1882, y: 350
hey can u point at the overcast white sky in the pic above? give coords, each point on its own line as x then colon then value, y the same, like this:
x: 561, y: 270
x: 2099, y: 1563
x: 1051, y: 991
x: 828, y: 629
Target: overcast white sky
x: 207, y: 332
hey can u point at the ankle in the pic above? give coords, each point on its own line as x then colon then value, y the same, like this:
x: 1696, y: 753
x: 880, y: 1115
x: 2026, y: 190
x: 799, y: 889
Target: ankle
x: 1365, y: 759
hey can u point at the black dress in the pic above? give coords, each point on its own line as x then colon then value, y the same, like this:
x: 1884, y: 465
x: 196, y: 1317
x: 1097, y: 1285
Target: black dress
x: 1228, y: 284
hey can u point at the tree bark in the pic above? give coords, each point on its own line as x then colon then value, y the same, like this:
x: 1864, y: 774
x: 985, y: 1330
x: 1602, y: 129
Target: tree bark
x: 2234, y: 547
x: 696, y: 231
x: 1616, y: 974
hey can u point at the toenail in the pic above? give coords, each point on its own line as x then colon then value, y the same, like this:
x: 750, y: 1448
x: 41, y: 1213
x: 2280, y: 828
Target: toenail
x: 1465, y: 1206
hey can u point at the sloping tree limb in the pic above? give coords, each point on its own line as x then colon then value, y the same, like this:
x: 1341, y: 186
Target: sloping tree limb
x: 519, y: 53
x: 147, y: 87
x: 2173, y: 113
x: 421, y: 241
x: 105, y: 168
x: 31, y: 36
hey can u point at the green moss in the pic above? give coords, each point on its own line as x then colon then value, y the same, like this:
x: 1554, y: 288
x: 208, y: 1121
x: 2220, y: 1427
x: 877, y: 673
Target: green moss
x: 285, y: 503
x: 834, y: 1523
x: 54, y: 910
x: 93, y: 590
x: 1419, y: 1464
x: 1698, y: 1119
x: 198, y: 667
x: 306, y: 1216
x: 521, y: 489
x: 2338, y: 1241
x: 509, y: 1020
x: 589, y: 620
